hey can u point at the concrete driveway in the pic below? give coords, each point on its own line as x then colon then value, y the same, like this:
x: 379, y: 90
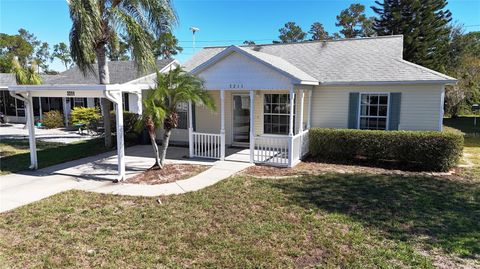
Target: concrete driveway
x: 93, y: 173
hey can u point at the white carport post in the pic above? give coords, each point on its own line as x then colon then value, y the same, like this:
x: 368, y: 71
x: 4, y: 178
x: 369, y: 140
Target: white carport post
x: 27, y: 99
x: 116, y: 98
x: 222, y: 125
x: 309, y: 117
x: 190, y: 129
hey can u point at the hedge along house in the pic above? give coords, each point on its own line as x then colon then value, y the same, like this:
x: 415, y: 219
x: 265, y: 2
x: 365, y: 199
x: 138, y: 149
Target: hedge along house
x: 270, y: 95
x: 126, y: 82
x: 121, y: 72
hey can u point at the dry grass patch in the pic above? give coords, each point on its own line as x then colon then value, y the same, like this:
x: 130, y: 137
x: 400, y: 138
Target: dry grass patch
x: 169, y: 173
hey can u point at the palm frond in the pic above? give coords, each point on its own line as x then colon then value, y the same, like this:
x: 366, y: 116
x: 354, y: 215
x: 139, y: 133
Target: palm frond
x: 85, y: 31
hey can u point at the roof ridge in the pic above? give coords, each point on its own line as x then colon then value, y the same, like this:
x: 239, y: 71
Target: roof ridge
x: 311, y: 41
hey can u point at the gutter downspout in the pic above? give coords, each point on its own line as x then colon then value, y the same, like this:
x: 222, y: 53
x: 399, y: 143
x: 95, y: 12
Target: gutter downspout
x: 31, y: 127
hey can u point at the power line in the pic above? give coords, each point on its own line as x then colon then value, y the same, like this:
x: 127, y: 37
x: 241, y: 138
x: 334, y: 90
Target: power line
x: 474, y: 25
x: 227, y: 40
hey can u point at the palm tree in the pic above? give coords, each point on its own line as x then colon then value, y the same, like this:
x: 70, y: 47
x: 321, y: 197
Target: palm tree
x: 97, y: 23
x: 171, y: 89
x: 26, y: 75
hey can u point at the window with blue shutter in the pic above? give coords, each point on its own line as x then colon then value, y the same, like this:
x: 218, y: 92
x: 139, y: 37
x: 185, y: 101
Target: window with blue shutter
x: 353, y: 110
x: 394, y: 110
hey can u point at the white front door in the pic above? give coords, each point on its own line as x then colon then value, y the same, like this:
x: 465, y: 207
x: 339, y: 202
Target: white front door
x: 241, y: 119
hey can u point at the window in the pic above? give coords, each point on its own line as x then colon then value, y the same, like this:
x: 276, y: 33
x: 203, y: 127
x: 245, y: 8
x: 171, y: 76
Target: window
x: 182, y: 112
x: 276, y: 113
x: 125, y: 102
x: 79, y: 102
x: 373, y: 111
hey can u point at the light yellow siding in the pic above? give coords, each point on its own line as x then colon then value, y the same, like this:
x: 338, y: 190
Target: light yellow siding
x: 420, y: 105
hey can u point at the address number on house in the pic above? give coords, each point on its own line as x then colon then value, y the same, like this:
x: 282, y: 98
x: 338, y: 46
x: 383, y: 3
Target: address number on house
x: 70, y: 93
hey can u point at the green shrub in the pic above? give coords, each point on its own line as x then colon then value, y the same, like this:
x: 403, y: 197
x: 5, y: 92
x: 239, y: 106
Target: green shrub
x: 424, y: 150
x: 84, y: 115
x: 130, y: 123
x: 52, y: 119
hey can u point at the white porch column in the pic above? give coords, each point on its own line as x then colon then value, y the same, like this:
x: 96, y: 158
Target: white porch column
x: 290, y: 130
x: 190, y: 129
x: 252, y: 126
x: 309, y: 118
x: 302, y: 98
x: 31, y: 132
x: 120, y: 143
x: 222, y: 125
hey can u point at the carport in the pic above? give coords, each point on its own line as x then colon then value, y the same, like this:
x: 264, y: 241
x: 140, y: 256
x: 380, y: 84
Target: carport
x: 112, y: 92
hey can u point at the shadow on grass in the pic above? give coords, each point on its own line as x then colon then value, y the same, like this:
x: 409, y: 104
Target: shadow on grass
x: 433, y: 211
x: 50, y: 156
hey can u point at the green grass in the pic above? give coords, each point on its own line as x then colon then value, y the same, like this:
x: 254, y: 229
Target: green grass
x: 471, y: 152
x: 17, y: 156
x: 331, y: 220
x: 463, y: 123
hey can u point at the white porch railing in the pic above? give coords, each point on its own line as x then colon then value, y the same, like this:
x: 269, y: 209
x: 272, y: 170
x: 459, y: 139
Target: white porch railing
x: 207, y: 145
x: 300, y: 146
x: 271, y: 150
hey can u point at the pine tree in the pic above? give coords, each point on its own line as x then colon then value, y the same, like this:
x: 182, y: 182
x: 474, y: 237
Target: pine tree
x: 424, y: 25
x: 291, y: 33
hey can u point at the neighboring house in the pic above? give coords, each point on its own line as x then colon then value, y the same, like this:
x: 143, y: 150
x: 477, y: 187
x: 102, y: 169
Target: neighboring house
x: 121, y: 72
x: 272, y: 93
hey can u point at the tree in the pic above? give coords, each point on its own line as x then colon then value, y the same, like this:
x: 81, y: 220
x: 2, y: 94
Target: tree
x: 62, y: 52
x: 118, y: 49
x: 291, y: 33
x: 249, y: 42
x: 353, y: 21
x: 166, y: 46
x: 424, y: 26
x: 11, y: 47
x: 32, y: 40
x: 26, y: 75
x: 170, y: 90
x: 96, y: 23
x: 42, y: 56
x: 318, y: 32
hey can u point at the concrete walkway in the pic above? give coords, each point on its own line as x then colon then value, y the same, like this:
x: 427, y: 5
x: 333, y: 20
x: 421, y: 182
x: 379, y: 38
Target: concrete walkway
x: 95, y: 174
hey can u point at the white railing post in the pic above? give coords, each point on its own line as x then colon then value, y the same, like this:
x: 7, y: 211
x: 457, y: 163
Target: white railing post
x: 309, y: 117
x: 252, y: 126
x: 190, y: 130
x: 222, y: 125
x: 290, y: 130
x: 120, y: 143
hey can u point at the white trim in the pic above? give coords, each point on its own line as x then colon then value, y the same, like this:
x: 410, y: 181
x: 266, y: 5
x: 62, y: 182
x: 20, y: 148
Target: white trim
x: 387, y: 122
x: 442, y: 109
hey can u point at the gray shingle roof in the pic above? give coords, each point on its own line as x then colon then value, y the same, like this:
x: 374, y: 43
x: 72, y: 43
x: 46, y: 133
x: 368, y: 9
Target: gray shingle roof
x: 120, y: 72
x: 348, y: 61
x: 8, y: 79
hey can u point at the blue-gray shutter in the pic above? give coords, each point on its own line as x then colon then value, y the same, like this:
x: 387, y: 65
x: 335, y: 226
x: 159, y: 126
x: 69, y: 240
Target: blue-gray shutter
x: 394, y: 110
x: 353, y: 110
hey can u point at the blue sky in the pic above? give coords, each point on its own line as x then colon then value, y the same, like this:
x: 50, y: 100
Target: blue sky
x: 221, y: 22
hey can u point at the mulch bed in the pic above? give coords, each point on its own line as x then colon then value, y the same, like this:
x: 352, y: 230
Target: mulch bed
x: 169, y: 173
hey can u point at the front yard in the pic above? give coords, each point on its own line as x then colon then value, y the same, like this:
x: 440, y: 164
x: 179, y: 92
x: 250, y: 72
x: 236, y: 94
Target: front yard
x: 15, y: 154
x: 331, y: 220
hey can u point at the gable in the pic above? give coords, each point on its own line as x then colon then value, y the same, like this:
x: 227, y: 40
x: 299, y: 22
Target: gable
x: 237, y: 71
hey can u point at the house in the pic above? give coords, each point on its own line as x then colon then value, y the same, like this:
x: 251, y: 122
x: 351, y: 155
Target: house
x: 270, y: 95
x: 121, y: 72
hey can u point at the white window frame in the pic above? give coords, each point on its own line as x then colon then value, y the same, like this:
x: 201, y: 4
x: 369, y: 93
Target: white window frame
x: 359, y: 116
x: 288, y: 114
x: 75, y: 102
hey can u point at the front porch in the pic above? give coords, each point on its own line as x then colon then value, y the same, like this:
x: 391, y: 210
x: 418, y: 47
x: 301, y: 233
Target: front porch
x: 244, y: 134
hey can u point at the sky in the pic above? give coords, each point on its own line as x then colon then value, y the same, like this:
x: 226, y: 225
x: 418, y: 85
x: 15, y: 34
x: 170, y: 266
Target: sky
x: 221, y: 22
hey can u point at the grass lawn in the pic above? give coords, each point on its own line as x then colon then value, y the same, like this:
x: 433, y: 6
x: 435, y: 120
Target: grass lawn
x: 16, y: 157
x: 471, y: 156
x: 330, y: 220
